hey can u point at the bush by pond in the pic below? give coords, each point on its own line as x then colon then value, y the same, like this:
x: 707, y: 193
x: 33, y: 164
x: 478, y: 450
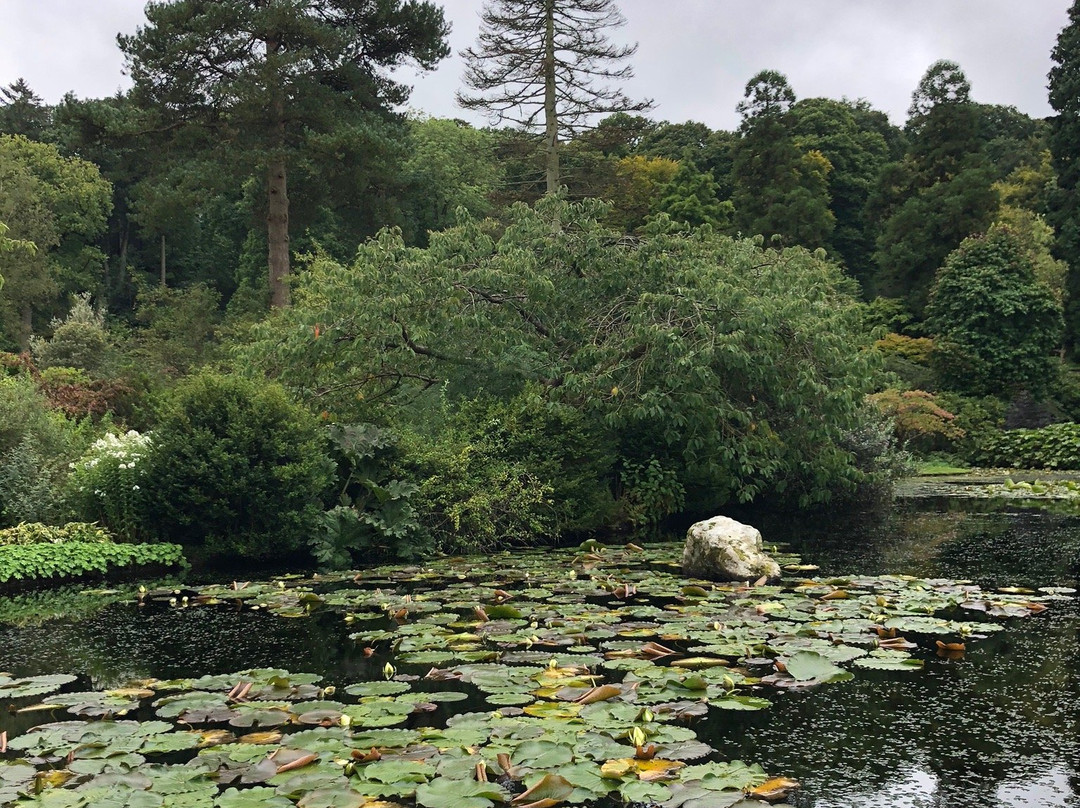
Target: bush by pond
x: 36, y: 552
x: 235, y: 468
x: 1052, y: 447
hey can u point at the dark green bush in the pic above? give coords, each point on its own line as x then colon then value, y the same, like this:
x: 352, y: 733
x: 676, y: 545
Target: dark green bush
x: 1053, y: 447
x: 373, y: 514
x: 494, y: 473
x: 235, y: 468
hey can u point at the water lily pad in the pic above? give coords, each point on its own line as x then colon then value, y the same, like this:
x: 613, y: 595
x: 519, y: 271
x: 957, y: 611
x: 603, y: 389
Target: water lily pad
x: 444, y: 793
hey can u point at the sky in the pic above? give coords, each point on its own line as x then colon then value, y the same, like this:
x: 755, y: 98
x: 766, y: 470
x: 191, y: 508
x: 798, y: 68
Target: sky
x: 694, y: 56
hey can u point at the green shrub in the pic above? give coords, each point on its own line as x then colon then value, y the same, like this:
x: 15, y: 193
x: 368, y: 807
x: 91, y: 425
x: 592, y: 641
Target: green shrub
x: 38, y: 533
x: 496, y: 473
x: 235, y: 468
x: 650, y: 492
x: 996, y: 326
x: 107, y: 483
x: 23, y: 562
x: 1052, y: 447
x: 919, y: 422
x: 37, y: 446
x: 374, y: 513
x: 79, y: 341
x: 977, y: 417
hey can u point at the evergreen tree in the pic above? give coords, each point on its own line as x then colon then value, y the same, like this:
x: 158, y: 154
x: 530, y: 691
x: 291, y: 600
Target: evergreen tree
x: 779, y: 190
x: 1064, y: 213
x: 548, y: 63
x: 22, y: 112
x: 941, y: 193
x: 271, y: 75
x: 996, y: 326
x: 857, y: 152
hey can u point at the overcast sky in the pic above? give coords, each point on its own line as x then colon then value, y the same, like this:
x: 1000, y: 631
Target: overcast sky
x: 694, y: 56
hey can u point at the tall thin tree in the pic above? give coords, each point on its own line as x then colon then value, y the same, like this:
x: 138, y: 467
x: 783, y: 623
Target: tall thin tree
x: 549, y: 63
x: 264, y: 75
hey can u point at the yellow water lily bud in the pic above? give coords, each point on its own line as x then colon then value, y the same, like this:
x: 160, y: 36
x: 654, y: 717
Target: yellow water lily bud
x: 389, y: 671
x: 345, y: 720
x: 637, y: 736
x: 647, y: 715
x: 553, y: 663
x: 729, y: 683
x: 329, y: 690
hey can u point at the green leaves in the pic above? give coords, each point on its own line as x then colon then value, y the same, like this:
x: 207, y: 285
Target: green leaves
x: 807, y: 666
x: 443, y: 793
x: 74, y: 558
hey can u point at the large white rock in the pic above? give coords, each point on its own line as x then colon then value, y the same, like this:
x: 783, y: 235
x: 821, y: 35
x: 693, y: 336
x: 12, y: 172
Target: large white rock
x: 721, y: 549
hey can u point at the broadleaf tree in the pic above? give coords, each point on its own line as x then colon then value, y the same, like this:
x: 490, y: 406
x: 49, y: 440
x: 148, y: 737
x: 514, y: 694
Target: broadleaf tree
x: 548, y: 63
x: 267, y: 75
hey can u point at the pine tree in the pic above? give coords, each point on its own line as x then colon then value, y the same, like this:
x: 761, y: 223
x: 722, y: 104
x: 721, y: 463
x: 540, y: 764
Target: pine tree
x: 1064, y: 212
x: 267, y: 74
x: 549, y: 63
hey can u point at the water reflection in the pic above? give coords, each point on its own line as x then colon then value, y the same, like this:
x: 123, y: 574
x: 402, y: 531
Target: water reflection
x: 998, y: 727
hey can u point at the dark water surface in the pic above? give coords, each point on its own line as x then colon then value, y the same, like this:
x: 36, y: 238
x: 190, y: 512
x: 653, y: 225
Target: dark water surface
x: 999, y: 727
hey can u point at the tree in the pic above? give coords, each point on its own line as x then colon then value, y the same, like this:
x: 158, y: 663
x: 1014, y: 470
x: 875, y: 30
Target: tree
x: 996, y: 326
x: 736, y: 368
x: 691, y: 197
x: 1064, y: 212
x: 22, y: 112
x: 549, y: 62
x: 60, y: 205
x: 857, y: 152
x: 766, y: 95
x: 943, y: 189
x: 780, y: 191
x: 270, y: 75
x: 638, y: 181
x: 450, y: 165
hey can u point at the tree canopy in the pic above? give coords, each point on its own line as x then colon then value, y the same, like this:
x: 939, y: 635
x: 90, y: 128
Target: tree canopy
x: 268, y: 75
x: 549, y: 63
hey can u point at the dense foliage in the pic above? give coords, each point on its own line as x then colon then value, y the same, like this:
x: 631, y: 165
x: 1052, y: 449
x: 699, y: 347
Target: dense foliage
x: 27, y: 562
x: 764, y: 345
x: 234, y: 468
x: 34, y: 551
x: 472, y: 361
x: 1051, y: 447
x: 997, y: 326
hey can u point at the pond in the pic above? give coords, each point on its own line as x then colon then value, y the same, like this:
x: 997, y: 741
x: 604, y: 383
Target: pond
x: 996, y: 725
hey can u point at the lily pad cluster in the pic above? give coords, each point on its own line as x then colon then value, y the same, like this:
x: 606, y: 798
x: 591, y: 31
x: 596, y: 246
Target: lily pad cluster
x: 531, y: 680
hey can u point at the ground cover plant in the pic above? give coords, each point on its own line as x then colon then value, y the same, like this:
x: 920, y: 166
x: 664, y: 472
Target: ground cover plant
x: 35, y: 552
x: 537, y: 679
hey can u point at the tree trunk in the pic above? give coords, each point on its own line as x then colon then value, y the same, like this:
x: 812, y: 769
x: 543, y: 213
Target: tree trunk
x: 277, y: 209
x: 26, y: 321
x: 163, y: 260
x: 551, y: 115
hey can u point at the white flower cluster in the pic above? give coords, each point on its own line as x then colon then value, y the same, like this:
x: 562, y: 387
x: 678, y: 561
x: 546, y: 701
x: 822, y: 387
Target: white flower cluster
x: 127, y: 448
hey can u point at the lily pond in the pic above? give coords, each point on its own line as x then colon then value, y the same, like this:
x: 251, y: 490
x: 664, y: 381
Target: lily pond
x: 928, y: 657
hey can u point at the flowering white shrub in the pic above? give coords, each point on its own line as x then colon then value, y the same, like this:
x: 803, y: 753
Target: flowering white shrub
x: 107, y: 482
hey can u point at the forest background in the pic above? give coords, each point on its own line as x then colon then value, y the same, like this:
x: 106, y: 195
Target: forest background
x: 419, y: 341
